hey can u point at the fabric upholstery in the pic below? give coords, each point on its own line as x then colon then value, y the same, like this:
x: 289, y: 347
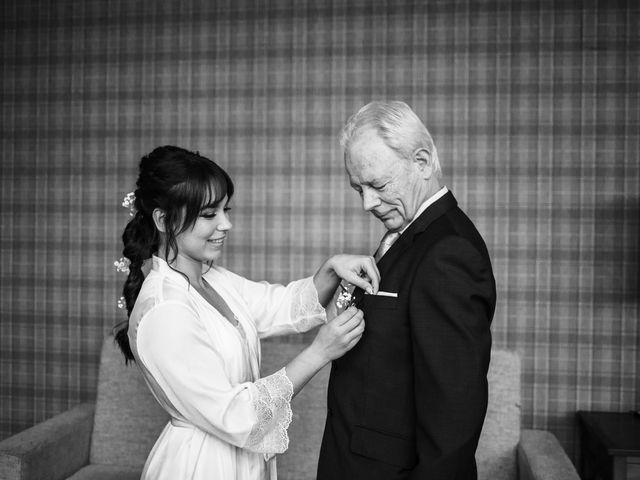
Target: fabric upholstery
x: 128, y: 419
x: 49, y: 450
x: 106, y: 472
x: 496, y: 453
x: 539, y: 460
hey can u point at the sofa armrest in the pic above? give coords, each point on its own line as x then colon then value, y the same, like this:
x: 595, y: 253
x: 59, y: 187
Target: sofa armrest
x: 541, y: 457
x: 52, y: 449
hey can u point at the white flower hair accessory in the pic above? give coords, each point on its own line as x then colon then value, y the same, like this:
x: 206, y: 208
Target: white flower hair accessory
x: 122, y: 265
x: 122, y: 303
x: 129, y: 202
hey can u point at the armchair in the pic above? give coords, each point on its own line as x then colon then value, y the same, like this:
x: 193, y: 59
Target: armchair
x: 505, y: 452
x: 111, y: 438
x: 106, y: 440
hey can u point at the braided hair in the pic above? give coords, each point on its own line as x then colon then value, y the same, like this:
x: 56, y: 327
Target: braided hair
x: 179, y: 183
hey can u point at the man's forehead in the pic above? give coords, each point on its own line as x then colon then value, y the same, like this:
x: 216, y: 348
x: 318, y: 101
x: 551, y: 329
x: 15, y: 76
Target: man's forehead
x: 363, y: 173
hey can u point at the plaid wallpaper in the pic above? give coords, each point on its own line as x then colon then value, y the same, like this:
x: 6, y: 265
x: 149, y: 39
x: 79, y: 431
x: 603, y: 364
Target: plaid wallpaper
x: 534, y: 106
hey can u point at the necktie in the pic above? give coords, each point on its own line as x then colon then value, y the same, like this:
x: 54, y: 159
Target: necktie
x: 385, y: 244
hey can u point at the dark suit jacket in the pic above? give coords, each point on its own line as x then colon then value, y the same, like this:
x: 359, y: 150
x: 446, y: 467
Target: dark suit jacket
x: 408, y: 401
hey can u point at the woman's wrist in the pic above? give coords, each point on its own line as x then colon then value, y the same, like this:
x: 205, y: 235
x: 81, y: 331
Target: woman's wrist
x: 304, y: 366
x: 326, y: 281
x: 315, y: 356
x: 328, y: 269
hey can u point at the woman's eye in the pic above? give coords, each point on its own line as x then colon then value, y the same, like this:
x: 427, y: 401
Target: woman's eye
x: 213, y: 213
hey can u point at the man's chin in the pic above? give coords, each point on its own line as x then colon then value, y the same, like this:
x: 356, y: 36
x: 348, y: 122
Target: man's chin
x: 392, y: 224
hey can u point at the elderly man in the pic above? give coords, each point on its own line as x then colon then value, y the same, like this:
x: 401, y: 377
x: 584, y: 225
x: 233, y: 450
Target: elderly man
x: 408, y: 402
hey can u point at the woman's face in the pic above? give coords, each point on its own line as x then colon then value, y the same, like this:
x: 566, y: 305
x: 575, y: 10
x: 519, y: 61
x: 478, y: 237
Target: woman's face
x: 204, y: 240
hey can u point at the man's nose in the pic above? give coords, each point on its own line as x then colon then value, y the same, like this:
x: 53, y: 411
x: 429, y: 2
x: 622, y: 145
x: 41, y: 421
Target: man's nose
x: 370, y: 200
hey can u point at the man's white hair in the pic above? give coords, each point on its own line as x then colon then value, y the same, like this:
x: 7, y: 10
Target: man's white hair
x: 397, y: 125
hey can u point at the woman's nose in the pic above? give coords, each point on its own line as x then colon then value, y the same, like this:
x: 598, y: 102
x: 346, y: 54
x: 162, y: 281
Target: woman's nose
x: 225, y: 224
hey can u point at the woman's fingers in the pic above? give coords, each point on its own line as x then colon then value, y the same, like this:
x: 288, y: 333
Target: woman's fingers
x: 354, y: 335
x: 366, y: 275
x: 358, y: 270
x: 372, y: 273
x: 353, y: 323
x: 345, y: 316
x: 349, y: 318
x: 353, y: 342
x: 358, y: 329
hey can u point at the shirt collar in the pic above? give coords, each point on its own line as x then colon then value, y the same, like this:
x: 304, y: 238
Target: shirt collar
x: 431, y: 200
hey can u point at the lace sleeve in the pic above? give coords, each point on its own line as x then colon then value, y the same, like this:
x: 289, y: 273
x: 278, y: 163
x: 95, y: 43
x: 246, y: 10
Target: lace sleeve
x: 272, y: 404
x: 306, y: 311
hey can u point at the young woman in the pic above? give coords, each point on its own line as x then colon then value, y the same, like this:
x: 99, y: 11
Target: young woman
x: 194, y: 327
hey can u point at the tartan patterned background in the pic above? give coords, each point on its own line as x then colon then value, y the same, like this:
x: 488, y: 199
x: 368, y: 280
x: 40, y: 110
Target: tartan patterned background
x: 534, y: 106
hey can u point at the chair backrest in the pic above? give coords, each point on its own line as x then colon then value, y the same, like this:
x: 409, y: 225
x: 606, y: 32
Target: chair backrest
x: 496, y: 454
x: 128, y: 420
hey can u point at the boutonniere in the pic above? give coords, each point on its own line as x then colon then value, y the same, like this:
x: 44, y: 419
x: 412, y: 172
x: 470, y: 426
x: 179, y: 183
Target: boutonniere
x: 346, y: 298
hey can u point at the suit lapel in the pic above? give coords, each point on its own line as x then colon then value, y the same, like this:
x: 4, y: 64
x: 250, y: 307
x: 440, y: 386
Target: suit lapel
x: 419, y: 225
x: 434, y: 211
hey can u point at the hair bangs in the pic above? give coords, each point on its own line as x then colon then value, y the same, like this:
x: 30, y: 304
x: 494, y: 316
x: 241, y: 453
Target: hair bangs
x: 206, y: 188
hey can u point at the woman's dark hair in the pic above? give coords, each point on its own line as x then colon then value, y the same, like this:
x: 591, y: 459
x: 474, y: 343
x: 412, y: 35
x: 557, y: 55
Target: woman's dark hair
x: 180, y: 183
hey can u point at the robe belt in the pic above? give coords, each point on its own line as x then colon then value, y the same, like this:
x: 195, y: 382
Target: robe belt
x: 181, y: 423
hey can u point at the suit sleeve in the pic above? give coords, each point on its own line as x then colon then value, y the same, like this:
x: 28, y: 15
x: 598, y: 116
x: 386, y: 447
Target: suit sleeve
x: 451, y: 306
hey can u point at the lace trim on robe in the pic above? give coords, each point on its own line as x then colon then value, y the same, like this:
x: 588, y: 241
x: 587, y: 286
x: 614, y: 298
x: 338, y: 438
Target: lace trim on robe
x: 306, y: 311
x: 272, y: 404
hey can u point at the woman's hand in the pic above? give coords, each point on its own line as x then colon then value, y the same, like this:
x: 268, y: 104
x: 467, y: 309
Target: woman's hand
x: 340, y: 335
x: 358, y: 270
x: 333, y: 340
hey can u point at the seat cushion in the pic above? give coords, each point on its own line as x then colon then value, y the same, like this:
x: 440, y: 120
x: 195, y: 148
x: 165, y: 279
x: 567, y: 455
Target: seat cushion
x: 106, y: 472
x: 128, y: 419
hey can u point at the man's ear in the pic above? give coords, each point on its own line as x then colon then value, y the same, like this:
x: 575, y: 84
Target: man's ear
x: 423, y: 160
x: 158, y: 219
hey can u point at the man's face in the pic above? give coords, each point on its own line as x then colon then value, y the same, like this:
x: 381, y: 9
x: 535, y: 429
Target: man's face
x: 390, y: 186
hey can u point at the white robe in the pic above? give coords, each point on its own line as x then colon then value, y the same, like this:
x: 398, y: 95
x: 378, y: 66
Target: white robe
x: 226, y: 422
